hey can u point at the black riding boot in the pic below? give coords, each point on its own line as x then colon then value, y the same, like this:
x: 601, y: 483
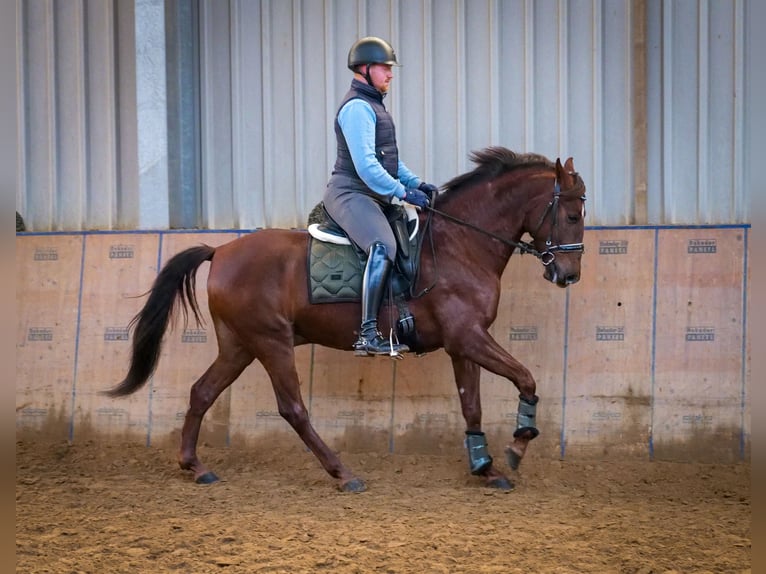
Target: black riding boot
x: 374, y: 283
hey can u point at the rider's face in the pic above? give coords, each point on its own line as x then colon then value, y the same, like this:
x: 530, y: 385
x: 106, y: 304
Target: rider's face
x: 381, y: 75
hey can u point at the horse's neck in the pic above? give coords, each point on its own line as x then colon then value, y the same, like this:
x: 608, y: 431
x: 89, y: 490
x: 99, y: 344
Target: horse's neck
x: 491, y: 227
x: 499, y: 208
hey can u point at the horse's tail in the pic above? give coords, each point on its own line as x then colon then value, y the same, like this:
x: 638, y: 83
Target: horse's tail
x: 175, y: 285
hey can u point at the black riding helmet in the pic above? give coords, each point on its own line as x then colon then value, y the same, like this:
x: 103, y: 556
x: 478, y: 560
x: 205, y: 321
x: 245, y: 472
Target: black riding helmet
x: 371, y: 50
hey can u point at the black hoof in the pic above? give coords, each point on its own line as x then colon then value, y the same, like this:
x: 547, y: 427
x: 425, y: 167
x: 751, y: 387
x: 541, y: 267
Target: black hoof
x: 501, y: 484
x: 513, y: 459
x: 354, y: 485
x: 207, y: 478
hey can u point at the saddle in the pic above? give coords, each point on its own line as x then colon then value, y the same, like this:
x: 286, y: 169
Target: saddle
x: 336, y: 265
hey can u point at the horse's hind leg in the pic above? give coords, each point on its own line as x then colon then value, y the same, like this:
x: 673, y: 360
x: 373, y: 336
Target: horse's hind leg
x: 467, y: 378
x: 279, y: 362
x: 224, y: 371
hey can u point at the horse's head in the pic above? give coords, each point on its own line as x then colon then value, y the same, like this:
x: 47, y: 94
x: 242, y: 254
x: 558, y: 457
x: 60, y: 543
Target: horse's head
x: 557, y: 225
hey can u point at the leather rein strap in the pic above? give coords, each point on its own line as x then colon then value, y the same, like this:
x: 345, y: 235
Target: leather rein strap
x: 546, y: 257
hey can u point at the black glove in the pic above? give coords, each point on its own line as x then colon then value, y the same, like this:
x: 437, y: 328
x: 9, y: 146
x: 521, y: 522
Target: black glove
x: 429, y: 189
x: 416, y: 198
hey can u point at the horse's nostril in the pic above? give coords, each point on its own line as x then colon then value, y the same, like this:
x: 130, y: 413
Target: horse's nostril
x: 573, y: 278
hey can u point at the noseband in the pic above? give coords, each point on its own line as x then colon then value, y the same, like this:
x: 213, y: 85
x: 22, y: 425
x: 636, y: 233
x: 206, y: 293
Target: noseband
x: 546, y: 257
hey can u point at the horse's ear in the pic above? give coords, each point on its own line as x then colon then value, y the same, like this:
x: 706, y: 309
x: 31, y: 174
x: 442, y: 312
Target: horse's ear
x: 569, y: 165
x: 564, y: 173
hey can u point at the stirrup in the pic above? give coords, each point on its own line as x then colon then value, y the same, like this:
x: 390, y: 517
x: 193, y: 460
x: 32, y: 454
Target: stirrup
x: 377, y: 345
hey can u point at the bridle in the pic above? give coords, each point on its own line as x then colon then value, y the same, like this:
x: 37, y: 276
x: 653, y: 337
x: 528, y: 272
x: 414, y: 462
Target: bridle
x: 546, y: 257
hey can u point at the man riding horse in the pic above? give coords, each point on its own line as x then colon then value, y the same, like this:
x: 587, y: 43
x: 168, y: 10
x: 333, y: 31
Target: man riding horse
x: 367, y: 176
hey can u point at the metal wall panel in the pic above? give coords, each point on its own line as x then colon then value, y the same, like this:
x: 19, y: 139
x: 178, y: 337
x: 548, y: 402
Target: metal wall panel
x: 697, y: 111
x: 77, y: 115
x: 107, y: 129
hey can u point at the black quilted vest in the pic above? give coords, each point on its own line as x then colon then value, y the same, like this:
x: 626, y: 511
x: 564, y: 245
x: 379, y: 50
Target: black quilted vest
x: 385, y: 134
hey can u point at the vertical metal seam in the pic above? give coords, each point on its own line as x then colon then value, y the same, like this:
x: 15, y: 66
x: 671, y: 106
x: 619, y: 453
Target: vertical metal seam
x: 529, y: 77
x: 628, y: 135
x: 299, y: 164
x: 237, y: 138
x: 196, y: 16
x: 563, y: 436
x: 267, y: 112
x: 331, y: 67
x: 77, y: 340
x: 204, y: 169
x: 740, y: 127
x: 460, y: 47
x: 597, y: 133
x: 653, y: 361
x: 639, y: 105
x: 361, y: 18
x: 84, y: 123
x: 666, y: 179
x: 428, y: 92
x: 22, y: 88
x: 703, y: 108
x: 149, y: 401
x: 743, y: 352
x: 50, y: 80
x: 112, y: 122
x: 494, y: 57
x: 117, y: 150
x: 563, y: 71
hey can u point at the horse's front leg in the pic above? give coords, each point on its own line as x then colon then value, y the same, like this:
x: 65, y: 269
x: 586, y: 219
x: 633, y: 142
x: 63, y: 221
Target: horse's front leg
x: 467, y: 378
x: 483, y: 350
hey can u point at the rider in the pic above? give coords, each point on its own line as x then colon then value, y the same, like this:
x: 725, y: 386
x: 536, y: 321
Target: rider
x: 367, y: 175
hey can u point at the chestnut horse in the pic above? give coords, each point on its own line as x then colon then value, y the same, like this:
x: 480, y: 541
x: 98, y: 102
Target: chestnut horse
x: 259, y: 302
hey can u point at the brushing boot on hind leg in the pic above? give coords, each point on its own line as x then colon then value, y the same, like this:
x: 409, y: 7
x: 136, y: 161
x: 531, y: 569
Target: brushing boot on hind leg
x: 374, y: 283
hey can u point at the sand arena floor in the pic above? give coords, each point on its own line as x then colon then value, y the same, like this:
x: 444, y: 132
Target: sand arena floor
x: 95, y: 508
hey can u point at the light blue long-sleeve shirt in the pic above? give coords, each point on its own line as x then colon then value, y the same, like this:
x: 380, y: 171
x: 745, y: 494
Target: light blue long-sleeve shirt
x: 357, y: 122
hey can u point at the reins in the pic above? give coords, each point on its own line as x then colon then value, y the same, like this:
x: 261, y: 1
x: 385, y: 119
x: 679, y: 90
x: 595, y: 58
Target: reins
x: 523, y: 246
x: 546, y: 257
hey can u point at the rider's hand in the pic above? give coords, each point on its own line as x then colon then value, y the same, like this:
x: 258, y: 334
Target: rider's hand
x: 416, y: 198
x: 429, y: 189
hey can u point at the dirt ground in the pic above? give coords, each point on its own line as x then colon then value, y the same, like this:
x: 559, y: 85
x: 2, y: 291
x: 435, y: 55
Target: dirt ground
x: 128, y: 508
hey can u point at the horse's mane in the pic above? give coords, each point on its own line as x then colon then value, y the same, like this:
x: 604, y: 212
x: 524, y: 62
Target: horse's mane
x: 492, y: 162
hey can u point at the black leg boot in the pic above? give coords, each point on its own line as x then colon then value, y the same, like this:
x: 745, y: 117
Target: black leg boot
x: 374, y: 284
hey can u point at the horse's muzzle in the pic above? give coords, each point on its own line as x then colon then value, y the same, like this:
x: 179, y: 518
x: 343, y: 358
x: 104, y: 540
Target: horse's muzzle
x: 561, y: 277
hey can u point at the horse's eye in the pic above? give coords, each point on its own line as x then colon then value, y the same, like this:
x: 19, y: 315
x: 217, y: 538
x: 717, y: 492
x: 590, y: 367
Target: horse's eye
x: 573, y: 217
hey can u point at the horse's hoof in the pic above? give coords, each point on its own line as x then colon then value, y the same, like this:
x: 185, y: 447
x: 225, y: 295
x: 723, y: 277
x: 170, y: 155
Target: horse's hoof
x: 501, y: 483
x: 513, y: 459
x: 353, y: 485
x: 207, y: 478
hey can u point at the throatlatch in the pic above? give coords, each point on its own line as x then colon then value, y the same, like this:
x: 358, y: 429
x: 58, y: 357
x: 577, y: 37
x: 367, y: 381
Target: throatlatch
x: 525, y: 418
x: 478, y: 453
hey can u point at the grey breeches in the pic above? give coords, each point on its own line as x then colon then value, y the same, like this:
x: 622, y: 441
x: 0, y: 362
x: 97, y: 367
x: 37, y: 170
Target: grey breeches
x: 362, y: 218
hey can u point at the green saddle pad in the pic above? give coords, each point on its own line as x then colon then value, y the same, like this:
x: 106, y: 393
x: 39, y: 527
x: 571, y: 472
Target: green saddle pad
x: 335, y: 273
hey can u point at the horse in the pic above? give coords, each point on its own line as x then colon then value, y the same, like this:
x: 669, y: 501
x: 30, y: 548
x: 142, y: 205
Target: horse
x: 259, y: 303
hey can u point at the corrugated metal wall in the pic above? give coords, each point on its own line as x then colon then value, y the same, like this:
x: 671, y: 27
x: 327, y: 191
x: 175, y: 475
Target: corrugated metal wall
x: 218, y: 114
x: 697, y: 111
